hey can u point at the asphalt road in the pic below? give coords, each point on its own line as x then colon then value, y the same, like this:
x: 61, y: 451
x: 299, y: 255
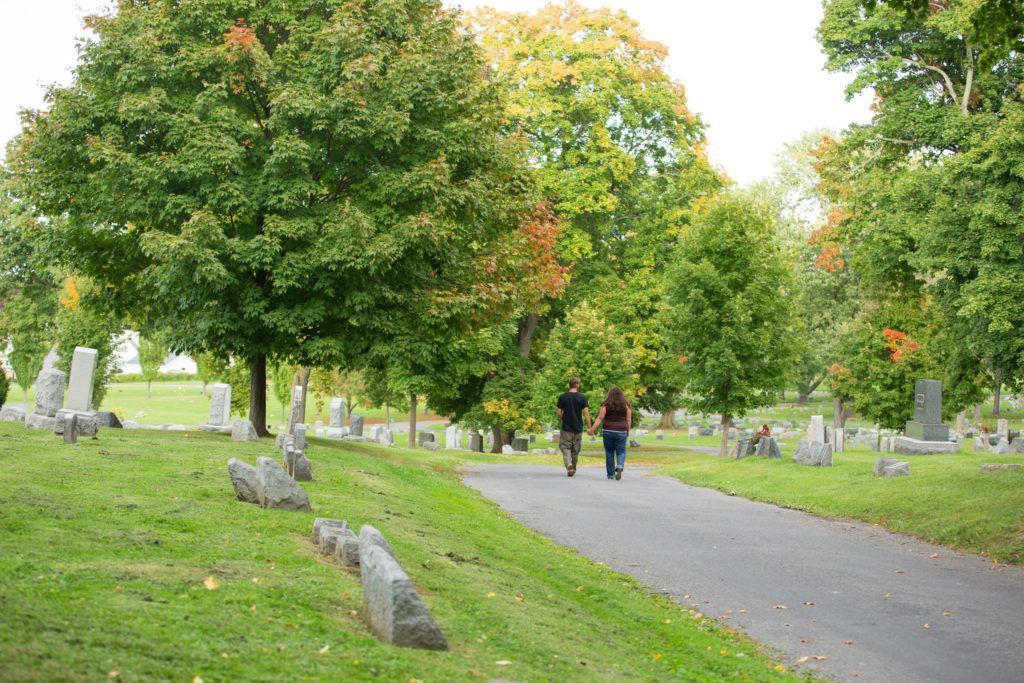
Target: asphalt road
x: 879, y: 606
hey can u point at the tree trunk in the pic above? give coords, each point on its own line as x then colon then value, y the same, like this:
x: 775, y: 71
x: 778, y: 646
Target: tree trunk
x: 666, y: 420
x: 149, y: 389
x: 723, y: 450
x: 977, y: 414
x: 527, y: 328
x: 412, y: 421
x: 838, y: 414
x: 348, y: 410
x: 802, y: 399
x: 258, y: 393
x: 782, y: 395
x: 998, y: 392
x: 387, y: 415
x: 204, y: 387
x: 498, y: 439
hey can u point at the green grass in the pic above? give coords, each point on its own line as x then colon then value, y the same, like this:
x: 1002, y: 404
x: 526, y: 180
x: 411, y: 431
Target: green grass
x: 946, y: 499
x: 105, y: 546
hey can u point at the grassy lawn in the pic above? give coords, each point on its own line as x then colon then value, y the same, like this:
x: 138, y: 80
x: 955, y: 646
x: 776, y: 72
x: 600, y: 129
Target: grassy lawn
x: 945, y: 500
x: 106, y: 548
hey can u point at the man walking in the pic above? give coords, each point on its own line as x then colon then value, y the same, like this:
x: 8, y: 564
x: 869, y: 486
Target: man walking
x: 572, y: 407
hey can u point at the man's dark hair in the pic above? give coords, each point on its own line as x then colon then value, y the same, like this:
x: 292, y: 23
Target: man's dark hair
x: 574, y: 382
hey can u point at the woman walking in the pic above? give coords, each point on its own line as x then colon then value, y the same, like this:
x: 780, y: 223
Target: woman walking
x: 616, y: 416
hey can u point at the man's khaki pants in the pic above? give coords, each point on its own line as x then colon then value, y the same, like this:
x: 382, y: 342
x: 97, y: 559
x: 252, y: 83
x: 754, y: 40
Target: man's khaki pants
x: 569, y: 443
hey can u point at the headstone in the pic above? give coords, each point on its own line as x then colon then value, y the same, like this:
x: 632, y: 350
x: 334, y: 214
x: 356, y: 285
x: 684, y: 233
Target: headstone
x: 910, y: 446
x: 391, y: 605
x: 338, y: 412
x: 276, y: 489
x: 346, y: 550
x: 297, y: 407
x: 882, y: 463
x: 85, y: 422
x: 816, y: 430
x: 802, y: 453
x: 693, y: 432
x: 451, y: 438
x: 83, y: 367
x: 993, y: 467
x: 743, y: 448
x: 821, y: 455
x: 371, y: 536
x: 424, y: 437
x: 243, y: 430
x: 659, y: 434
x: 329, y: 536
x: 302, y: 469
x: 386, y: 438
x: 105, y: 418
x: 1003, y: 428
x: 70, y: 428
x: 520, y: 445
x: 706, y: 431
x: 633, y: 443
x: 961, y: 423
x: 243, y: 478
x: 375, y: 431
x: 12, y: 413
x: 431, y: 445
x: 299, y: 432
x: 220, y: 409
x: 927, y: 423
x: 840, y: 440
x: 476, y: 442
x: 49, y: 392
x: 355, y: 425
x: 899, y: 469
x: 507, y: 449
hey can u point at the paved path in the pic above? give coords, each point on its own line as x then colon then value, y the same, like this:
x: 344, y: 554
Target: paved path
x: 853, y: 593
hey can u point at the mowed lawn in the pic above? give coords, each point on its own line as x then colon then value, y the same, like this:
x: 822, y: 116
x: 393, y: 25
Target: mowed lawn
x: 126, y: 557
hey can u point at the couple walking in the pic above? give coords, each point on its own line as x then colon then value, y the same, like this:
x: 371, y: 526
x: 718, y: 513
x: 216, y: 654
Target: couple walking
x: 615, y: 415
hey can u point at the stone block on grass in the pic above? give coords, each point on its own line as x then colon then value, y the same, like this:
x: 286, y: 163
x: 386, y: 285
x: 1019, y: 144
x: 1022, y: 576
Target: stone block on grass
x: 277, y: 490
x: 369, y: 535
x: 244, y: 430
x: 12, y: 414
x: 899, y: 469
x: 322, y: 523
x: 998, y: 467
x: 391, y: 606
x: 331, y: 536
x: 105, y: 418
x: 346, y: 552
x: 86, y: 423
x: 244, y: 479
x: 882, y: 463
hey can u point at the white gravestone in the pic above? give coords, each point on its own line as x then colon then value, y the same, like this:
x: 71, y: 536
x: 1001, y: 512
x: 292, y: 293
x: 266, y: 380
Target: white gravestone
x: 816, y: 430
x: 220, y: 404
x: 338, y: 412
x: 83, y: 367
x: 451, y: 438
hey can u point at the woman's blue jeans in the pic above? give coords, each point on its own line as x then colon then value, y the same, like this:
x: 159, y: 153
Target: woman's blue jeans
x: 614, y: 451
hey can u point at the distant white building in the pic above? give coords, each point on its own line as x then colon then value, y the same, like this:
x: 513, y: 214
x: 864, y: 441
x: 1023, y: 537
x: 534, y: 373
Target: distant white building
x: 127, y: 354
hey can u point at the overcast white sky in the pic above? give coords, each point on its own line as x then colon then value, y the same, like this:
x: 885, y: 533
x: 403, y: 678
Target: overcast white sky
x: 752, y: 70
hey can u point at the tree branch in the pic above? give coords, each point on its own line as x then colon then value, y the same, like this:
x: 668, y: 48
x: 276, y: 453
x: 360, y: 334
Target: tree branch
x: 970, y: 79
x: 949, y: 82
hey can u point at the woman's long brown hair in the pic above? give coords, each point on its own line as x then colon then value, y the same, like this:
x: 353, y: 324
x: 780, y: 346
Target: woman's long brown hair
x: 616, y: 400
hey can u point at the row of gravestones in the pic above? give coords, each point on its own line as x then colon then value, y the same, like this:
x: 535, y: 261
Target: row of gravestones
x: 71, y: 416
x: 391, y: 606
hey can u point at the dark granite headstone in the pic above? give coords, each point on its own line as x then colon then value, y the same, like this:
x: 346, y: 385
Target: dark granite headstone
x: 927, y: 423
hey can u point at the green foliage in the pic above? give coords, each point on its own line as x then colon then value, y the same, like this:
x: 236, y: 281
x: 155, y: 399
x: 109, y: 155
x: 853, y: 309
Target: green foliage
x: 152, y: 352
x: 237, y: 376
x: 5, y: 385
x: 586, y: 346
x: 996, y: 24
x: 257, y: 174
x: 28, y: 319
x: 209, y: 367
x: 132, y: 378
x: 81, y: 323
x: 731, y: 323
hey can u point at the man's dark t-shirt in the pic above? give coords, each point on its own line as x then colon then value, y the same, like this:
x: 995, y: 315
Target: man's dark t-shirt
x: 572, y: 404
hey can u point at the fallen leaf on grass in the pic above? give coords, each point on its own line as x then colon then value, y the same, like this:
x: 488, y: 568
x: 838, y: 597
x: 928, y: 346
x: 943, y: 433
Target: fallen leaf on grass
x: 211, y: 583
x: 655, y: 656
x: 698, y: 615
x: 926, y: 626
x: 779, y: 667
x: 520, y: 598
x: 579, y: 589
x: 324, y: 650
x: 113, y: 674
x: 503, y: 662
x: 723, y: 652
x: 491, y: 595
x: 197, y: 679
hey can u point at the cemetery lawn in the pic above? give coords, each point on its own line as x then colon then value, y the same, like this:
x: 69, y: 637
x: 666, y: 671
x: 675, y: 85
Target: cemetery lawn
x: 946, y: 500
x: 127, y: 558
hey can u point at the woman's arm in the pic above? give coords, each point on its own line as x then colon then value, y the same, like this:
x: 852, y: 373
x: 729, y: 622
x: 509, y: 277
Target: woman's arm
x: 629, y: 418
x: 599, y: 420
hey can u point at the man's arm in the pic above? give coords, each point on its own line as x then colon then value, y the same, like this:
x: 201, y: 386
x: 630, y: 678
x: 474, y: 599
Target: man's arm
x: 560, y: 412
x: 586, y: 414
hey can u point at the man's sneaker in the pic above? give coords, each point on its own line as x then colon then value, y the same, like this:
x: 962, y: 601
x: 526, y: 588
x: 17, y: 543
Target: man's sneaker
x: 570, y: 470
x: 618, y: 473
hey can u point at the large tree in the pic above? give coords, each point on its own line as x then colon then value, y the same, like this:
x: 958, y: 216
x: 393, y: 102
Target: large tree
x: 731, y: 322
x: 287, y: 179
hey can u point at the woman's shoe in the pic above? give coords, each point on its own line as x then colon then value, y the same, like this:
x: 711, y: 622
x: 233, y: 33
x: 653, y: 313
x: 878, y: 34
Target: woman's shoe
x: 618, y: 473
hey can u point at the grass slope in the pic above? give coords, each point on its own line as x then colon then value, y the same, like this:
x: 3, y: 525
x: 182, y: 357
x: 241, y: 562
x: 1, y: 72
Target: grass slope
x: 105, y: 549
